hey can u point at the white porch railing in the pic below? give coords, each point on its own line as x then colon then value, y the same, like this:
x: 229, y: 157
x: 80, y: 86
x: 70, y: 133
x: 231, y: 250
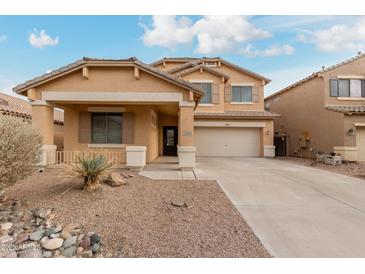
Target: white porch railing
x: 71, y: 156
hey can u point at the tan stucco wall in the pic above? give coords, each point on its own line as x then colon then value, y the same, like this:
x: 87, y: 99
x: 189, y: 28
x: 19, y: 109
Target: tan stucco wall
x: 145, y: 133
x: 235, y: 77
x: 42, y: 120
x: 186, y: 126
x: 109, y: 79
x: 350, y: 120
x: 355, y: 68
x: 303, y: 112
x: 58, y: 136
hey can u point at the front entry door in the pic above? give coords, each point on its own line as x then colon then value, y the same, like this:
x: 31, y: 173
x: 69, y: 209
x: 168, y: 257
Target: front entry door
x: 170, y: 140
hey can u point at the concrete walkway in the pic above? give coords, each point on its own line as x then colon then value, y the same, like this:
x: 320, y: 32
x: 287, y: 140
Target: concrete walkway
x: 296, y: 211
x: 166, y: 168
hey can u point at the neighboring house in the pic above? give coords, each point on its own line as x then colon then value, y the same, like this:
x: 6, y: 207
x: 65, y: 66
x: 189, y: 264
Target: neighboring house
x: 175, y: 106
x: 323, y: 112
x: 10, y: 105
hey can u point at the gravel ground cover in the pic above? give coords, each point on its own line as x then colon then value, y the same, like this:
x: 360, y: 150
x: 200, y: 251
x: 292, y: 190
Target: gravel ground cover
x: 347, y: 168
x: 139, y: 220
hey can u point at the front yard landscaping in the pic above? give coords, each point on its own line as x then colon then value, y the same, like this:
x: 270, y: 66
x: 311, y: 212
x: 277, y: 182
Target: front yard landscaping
x: 354, y: 169
x: 145, y: 217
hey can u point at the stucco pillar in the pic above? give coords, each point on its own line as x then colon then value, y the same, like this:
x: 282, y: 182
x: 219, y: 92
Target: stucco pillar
x: 42, y: 120
x: 186, y: 150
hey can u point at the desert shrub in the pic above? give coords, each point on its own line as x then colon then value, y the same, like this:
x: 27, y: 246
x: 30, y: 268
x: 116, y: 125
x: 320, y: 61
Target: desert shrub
x: 19, y: 149
x: 92, y: 170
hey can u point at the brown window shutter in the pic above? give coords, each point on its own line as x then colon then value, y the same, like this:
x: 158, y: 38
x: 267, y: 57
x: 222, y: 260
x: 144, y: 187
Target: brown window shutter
x: 228, y: 93
x: 84, y: 127
x: 255, y: 94
x: 128, y: 128
x: 215, y: 94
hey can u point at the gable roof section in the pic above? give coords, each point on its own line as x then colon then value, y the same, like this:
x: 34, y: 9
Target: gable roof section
x: 192, y: 60
x: 315, y: 74
x: 94, y: 61
x: 173, y: 59
x: 13, y: 106
x: 195, y: 68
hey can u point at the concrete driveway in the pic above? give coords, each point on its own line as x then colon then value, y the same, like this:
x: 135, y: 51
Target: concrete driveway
x: 296, y: 211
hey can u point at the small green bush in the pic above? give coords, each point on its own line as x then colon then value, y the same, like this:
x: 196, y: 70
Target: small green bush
x: 19, y: 149
x: 92, y: 170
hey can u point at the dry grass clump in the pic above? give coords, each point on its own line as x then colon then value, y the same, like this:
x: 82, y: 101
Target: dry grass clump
x: 19, y: 149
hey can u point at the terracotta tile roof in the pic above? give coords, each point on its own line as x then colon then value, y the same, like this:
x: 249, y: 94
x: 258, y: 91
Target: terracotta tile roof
x: 237, y: 114
x: 347, y: 109
x: 191, y: 60
x: 18, y: 107
x: 89, y: 61
x: 315, y: 74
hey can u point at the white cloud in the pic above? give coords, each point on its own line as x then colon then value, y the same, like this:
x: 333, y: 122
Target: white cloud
x: 3, y: 38
x: 40, y: 39
x: 214, y: 34
x: 338, y: 37
x: 274, y: 50
x: 168, y: 31
x: 220, y: 34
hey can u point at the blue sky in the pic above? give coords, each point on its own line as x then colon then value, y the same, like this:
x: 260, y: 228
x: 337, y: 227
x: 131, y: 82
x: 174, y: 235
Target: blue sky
x: 282, y: 48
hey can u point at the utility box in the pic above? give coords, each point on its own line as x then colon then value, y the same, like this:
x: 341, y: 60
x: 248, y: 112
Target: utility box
x: 333, y: 160
x: 136, y: 156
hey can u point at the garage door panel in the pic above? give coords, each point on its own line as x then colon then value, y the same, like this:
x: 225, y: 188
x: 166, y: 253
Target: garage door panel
x: 215, y: 141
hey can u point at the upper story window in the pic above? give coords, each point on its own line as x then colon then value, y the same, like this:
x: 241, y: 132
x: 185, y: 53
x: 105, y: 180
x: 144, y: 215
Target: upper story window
x: 354, y: 88
x: 241, y: 93
x: 207, y: 88
x: 211, y: 63
x: 106, y: 128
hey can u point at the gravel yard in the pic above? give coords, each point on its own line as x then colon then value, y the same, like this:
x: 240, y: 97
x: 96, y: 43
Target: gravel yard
x: 349, y: 169
x: 138, y: 220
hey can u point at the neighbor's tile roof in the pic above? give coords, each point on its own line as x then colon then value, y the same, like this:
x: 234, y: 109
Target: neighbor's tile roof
x: 347, y: 109
x: 89, y: 61
x: 237, y: 114
x: 18, y: 107
x: 315, y: 74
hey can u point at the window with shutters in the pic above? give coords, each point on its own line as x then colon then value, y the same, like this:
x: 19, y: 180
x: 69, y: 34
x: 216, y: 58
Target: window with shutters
x: 241, y: 93
x: 353, y: 88
x: 106, y: 128
x: 207, y: 88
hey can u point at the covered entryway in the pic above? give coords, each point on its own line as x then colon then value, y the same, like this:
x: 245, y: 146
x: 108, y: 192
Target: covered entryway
x: 360, y: 143
x: 220, y: 141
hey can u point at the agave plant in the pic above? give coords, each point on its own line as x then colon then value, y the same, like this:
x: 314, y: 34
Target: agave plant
x: 92, y: 170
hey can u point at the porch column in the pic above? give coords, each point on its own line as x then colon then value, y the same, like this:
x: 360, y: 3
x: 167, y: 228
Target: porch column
x: 186, y: 149
x: 42, y: 120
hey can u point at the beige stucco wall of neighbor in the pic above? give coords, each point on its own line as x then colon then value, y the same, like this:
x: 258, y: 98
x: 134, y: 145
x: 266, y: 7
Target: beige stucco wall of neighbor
x: 303, y: 114
x: 355, y: 68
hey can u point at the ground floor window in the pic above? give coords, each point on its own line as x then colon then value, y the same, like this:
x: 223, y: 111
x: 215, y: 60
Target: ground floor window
x: 106, y: 128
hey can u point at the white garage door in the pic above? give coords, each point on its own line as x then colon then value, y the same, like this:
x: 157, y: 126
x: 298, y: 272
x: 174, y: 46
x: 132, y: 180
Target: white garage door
x: 360, y: 143
x: 216, y: 141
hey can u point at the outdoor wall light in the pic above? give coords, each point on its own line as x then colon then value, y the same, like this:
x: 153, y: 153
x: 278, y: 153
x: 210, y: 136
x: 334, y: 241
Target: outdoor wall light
x: 351, y: 131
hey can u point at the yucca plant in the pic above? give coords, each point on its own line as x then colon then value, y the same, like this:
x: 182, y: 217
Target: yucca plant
x: 92, y: 170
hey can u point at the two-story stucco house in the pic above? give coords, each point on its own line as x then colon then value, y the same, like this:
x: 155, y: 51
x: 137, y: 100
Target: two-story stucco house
x: 324, y: 112
x: 175, y: 106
